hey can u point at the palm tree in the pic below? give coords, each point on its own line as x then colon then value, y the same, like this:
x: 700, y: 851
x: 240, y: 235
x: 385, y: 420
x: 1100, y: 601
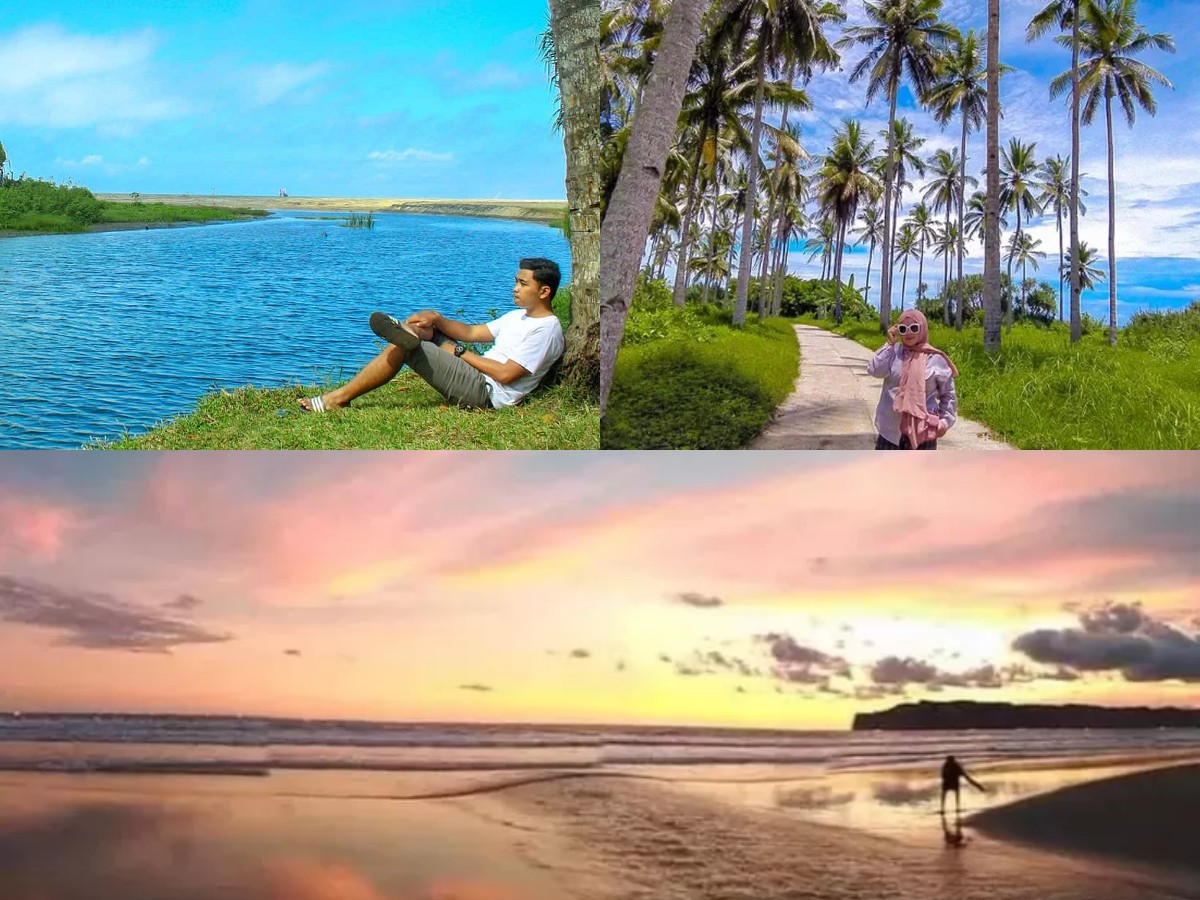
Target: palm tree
x: 822, y: 244
x: 3, y: 163
x: 903, y: 40
x: 1085, y: 264
x: 991, y: 226
x: 1023, y: 249
x: 961, y: 91
x: 906, y: 249
x: 1056, y: 194
x: 923, y: 229
x: 871, y: 232
x: 787, y: 156
x: 722, y: 90
x: 1111, y: 38
x: 946, y: 192
x: 976, y: 216
x: 945, y: 245
x: 1065, y: 14
x: 846, y: 181
x: 905, y: 147
x: 1017, y: 170
x: 627, y: 219
x: 789, y: 34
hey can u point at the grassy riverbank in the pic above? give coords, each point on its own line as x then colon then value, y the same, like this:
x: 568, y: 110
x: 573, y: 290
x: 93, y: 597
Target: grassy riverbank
x: 404, y: 415
x: 28, y: 206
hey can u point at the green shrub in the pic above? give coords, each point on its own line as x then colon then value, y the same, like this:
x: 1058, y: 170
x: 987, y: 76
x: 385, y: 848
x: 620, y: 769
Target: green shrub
x: 715, y: 395
x: 653, y: 316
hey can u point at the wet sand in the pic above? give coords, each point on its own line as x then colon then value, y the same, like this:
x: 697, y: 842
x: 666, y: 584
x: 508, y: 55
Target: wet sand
x: 175, y: 837
x: 525, y: 210
x: 1147, y: 818
x: 659, y: 840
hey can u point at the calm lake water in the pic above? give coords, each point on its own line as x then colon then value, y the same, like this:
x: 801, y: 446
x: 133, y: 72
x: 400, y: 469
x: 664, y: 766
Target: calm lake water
x: 102, y: 333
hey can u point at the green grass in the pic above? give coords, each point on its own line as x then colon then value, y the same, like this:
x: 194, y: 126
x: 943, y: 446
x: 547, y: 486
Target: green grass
x: 404, y: 415
x: 1041, y: 392
x: 164, y: 212
x: 671, y: 393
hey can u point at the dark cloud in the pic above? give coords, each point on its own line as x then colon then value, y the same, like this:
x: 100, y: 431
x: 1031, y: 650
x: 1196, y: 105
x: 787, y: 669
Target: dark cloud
x: 664, y: 658
x: 689, y: 671
x: 798, y: 664
x: 621, y: 665
x: 691, y: 598
x: 1116, y: 637
x: 97, y: 621
x: 291, y: 652
x: 580, y: 653
x: 482, y: 688
x: 183, y: 602
x: 897, y: 673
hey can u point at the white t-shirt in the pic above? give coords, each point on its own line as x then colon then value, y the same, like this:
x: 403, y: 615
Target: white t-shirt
x: 534, y: 344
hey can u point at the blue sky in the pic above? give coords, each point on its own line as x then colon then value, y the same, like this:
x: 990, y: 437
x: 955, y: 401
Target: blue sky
x: 1157, y: 162
x: 386, y: 98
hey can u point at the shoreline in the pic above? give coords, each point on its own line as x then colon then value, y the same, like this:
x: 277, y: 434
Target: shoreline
x: 543, y: 211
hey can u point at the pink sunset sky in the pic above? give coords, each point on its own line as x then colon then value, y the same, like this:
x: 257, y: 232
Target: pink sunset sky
x: 770, y: 590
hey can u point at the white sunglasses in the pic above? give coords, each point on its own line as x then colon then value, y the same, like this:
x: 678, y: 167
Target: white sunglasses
x: 907, y: 329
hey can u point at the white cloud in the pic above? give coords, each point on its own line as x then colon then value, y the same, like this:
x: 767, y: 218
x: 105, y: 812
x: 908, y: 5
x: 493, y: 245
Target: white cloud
x: 51, y: 78
x: 491, y: 76
x: 269, y: 84
x: 409, y: 155
x: 144, y: 161
x: 92, y: 160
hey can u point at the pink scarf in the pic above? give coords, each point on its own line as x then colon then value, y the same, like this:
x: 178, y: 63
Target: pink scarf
x: 916, y: 421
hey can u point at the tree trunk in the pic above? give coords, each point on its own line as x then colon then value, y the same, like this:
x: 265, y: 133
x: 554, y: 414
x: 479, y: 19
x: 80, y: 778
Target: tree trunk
x: 745, y: 254
x: 1076, y: 322
x: 870, y: 260
x: 837, y: 272
x: 1013, y: 293
x: 962, y: 247
x: 991, y: 225
x: 632, y: 204
x: 920, y: 272
x: 685, y: 230
x: 1060, y: 263
x: 1112, y: 228
x: 574, y: 25
x: 885, y: 269
x: 946, y: 274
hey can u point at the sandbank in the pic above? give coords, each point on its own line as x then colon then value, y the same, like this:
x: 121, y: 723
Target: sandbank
x: 525, y: 210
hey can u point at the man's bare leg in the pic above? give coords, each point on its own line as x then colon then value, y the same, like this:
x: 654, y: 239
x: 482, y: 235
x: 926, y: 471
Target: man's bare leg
x: 378, y: 372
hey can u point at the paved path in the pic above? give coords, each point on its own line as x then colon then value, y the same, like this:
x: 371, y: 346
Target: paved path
x: 833, y: 404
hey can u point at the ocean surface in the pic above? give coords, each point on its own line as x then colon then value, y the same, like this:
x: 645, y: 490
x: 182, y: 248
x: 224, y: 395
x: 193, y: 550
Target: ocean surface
x: 112, y: 332
x: 57, y: 742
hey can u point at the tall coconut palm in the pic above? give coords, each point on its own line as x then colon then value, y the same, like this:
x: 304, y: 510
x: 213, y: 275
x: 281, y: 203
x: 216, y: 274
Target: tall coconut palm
x: 870, y: 232
x: 906, y: 157
x: 1055, y: 182
x: 976, y: 216
x: 903, y: 39
x: 961, y: 91
x: 1018, y: 169
x: 946, y: 192
x: 923, y: 229
x: 991, y: 225
x: 821, y: 244
x: 627, y: 219
x: 781, y: 35
x: 906, y: 249
x: 1064, y: 14
x: 845, y: 182
x: 1111, y: 38
x: 1023, y: 250
x: 721, y: 91
x: 1086, y: 264
x: 787, y: 156
x: 945, y: 246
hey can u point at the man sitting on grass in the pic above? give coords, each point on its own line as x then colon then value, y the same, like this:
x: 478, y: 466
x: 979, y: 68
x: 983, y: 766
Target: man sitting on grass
x: 527, y: 343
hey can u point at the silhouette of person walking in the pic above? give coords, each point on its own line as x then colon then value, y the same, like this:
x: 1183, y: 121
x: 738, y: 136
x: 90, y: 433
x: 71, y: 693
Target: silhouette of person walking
x: 952, y: 776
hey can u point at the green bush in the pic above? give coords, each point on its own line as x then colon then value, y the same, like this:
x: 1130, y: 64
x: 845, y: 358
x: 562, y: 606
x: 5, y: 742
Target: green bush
x: 813, y: 296
x: 69, y: 208
x: 653, y: 316
x: 710, y: 396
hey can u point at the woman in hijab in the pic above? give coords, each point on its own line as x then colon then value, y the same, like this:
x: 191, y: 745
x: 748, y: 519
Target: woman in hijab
x: 918, y: 403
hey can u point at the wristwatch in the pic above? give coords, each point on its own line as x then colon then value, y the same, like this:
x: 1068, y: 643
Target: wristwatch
x: 459, y: 350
